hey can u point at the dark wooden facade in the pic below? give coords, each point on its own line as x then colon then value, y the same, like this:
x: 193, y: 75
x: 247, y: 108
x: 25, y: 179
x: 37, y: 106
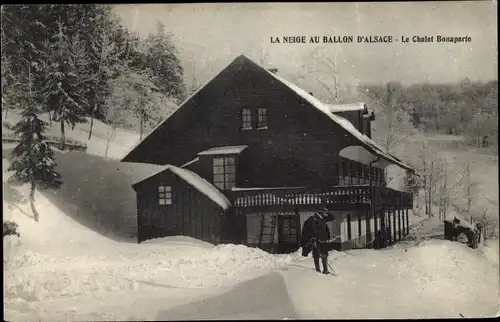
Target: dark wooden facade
x: 298, y: 147
x: 190, y: 212
x: 303, y: 152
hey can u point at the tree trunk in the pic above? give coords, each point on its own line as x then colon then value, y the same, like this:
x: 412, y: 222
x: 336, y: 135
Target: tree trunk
x: 63, y: 136
x: 142, y: 127
x: 50, y: 118
x: 110, y: 136
x: 445, y: 196
x: 426, y: 192
x: 107, y: 147
x: 6, y: 111
x: 32, y: 203
x: 91, y: 122
x: 430, y: 188
x: 469, y: 201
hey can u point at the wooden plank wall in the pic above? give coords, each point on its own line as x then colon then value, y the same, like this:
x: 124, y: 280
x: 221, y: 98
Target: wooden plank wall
x: 191, y: 213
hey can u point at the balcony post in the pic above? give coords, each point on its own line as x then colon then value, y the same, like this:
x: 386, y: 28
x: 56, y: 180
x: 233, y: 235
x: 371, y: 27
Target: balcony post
x: 403, y: 221
x: 407, y: 223
x: 394, y: 223
x: 389, y: 227
x: 399, y: 222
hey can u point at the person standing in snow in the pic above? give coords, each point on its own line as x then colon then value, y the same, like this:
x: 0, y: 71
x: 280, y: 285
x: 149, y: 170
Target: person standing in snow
x: 315, y: 235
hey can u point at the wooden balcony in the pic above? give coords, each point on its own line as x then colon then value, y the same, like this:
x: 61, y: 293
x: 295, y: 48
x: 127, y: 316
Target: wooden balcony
x: 358, y: 197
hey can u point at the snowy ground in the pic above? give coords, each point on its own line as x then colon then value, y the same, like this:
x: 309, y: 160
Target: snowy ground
x: 62, y: 269
x: 59, y: 270
x: 122, y: 142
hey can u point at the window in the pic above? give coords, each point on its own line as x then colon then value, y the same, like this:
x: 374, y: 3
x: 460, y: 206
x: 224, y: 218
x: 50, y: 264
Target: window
x: 262, y: 118
x: 246, y: 119
x: 382, y: 176
x: 225, y: 172
x: 164, y: 195
x: 341, y: 172
x: 362, y: 173
x: 350, y: 171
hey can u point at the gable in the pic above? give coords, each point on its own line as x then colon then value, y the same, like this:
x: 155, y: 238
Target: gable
x: 189, y: 121
x: 187, y: 111
x: 194, y: 180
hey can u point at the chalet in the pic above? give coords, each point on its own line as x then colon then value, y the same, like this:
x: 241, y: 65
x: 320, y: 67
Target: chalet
x: 249, y: 156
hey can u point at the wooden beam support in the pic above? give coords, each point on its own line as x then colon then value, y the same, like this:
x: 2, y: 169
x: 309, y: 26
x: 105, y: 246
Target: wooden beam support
x: 394, y: 224
x: 407, y: 223
x: 399, y: 224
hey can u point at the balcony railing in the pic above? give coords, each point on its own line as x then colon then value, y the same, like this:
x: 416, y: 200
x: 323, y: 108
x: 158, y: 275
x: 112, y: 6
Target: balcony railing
x: 336, y: 197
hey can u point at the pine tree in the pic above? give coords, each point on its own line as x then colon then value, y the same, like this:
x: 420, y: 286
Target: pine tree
x: 23, y: 35
x: 103, y: 48
x: 33, y: 159
x: 165, y: 65
x: 99, y: 88
x: 64, y: 90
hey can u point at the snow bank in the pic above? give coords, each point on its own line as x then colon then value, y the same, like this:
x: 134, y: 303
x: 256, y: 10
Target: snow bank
x: 178, y: 240
x: 85, y: 262
x: 490, y: 250
x: 434, y: 279
x: 265, y: 297
x: 35, y: 276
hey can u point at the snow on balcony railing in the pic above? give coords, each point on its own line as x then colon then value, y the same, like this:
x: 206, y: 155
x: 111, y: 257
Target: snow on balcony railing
x: 354, y: 194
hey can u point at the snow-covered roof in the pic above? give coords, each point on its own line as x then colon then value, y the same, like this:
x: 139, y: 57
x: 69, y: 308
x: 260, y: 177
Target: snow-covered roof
x: 264, y: 188
x: 348, y: 107
x: 234, y: 149
x: 199, y: 184
x: 367, y: 143
x: 462, y: 222
x: 187, y: 164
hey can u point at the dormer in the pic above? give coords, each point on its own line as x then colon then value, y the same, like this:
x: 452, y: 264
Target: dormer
x: 219, y: 165
x: 365, y: 124
x: 356, y: 113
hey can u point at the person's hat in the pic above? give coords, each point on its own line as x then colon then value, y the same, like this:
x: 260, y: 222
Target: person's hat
x: 319, y: 214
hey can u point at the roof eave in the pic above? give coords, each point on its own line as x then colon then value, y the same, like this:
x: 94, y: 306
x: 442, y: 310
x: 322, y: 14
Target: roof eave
x: 371, y: 156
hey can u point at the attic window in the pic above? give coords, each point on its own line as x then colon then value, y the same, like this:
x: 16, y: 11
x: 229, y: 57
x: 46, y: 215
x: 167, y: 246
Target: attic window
x: 262, y: 118
x: 246, y: 119
x: 164, y: 195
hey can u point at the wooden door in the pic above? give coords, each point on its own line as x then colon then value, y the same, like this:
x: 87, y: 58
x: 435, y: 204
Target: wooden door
x: 288, y: 233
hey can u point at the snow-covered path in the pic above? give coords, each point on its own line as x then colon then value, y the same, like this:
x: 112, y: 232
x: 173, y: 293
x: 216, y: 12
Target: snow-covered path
x: 435, y: 279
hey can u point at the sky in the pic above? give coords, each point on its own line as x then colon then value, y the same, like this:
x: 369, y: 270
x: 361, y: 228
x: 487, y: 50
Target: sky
x: 209, y: 36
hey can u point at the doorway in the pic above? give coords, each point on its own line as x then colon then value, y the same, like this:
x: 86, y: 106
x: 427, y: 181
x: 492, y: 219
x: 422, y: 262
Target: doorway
x: 288, y: 233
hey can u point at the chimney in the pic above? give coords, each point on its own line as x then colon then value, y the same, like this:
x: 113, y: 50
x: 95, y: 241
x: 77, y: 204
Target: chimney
x: 273, y: 70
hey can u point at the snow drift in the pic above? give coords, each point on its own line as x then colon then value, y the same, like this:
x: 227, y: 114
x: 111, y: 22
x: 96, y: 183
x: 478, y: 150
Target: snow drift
x: 265, y: 297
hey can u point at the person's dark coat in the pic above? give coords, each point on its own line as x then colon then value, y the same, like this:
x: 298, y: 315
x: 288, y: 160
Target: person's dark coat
x: 314, y: 227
